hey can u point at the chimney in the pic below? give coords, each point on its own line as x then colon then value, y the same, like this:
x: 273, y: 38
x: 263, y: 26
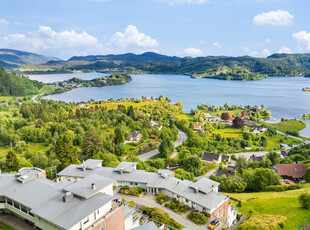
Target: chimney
x: 67, y: 197
x: 121, y: 170
x: 93, y: 186
x: 197, y: 190
x: 83, y: 167
x: 213, y: 186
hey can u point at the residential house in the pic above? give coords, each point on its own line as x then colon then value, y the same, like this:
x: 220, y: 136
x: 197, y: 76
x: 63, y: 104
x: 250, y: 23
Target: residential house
x: 258, y: 129
x: 255, y: 158
x: 284, y: 153
x: 202, y: 195
x: 285, y: 146
x: 211, y: 118
x: 227, y: 172
x: 197, y: 126
x: 156, y: 125
x: 153, y: 136
x: 226, y: 158
x: 250, y: 123
x: 291, y: 171
x: 134, y: 136
x: 214, y: 158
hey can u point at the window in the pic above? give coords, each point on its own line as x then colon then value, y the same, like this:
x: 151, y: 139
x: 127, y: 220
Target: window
x: 31, y: 214
x: 136, y: 183
x: 16, y: 205
x: 204, y: 209
x: 131, y: 183
x: 10, y: 202
x: 24, y: 209
x: 186, y: 200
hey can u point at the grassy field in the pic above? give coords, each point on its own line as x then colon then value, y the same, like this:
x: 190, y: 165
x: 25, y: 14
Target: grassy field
x: 275, y: 141
x: 232, y: 113
x: 229, y: 132
x: 276, y: 203
x: 289, y: 125
x: 5, y: 227
x: 34, y: 147
x: 186, y: 116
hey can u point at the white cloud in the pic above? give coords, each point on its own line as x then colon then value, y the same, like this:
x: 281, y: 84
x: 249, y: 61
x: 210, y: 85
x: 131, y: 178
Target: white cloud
x: 277, y: 18
x: 253, y: 54
x: 268, y: 40
x: 46, y: 40
x: 266, y: 52
x: 133, y: 38
x: 194, y: 52
x: 303, y: 40
x: 246, y: 49
x: 175, y: 2
x: 217, y: 45
x: 285, y: 50
x: 4, y: 22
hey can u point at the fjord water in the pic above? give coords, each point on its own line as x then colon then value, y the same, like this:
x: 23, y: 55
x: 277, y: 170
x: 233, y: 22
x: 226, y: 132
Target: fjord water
x: 282, y: 95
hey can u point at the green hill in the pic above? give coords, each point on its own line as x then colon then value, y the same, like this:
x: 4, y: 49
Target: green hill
x: 13, y: 85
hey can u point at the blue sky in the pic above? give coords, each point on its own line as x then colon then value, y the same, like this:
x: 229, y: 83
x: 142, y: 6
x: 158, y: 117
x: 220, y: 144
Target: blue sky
x: 63, y: 28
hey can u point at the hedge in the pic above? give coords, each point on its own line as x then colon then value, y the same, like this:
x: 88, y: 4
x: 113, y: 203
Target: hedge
x: 197, y: 217
x: 282, y: 188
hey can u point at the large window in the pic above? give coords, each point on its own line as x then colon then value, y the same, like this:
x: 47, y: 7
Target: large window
x: 10, y: 202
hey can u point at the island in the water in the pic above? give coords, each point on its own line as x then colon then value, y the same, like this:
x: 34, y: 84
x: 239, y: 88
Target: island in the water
x: 114, y: 79
x: 306, y: 89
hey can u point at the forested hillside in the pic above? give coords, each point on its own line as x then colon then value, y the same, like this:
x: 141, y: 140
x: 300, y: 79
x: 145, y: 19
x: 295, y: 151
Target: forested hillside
x: 13, y: 85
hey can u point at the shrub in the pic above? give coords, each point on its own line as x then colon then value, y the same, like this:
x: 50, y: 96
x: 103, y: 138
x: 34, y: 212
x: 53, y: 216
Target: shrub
x: 281, y: 225
x: 239, y: 203
x: 239, y: 216
x: 136, y: 191
x: 265, y: 221
x: 197, y: 217
x: 281, y: 188
x: 161, y: 198
x: 304, y: 200
x: 177, y: 207
x: 161, y: 216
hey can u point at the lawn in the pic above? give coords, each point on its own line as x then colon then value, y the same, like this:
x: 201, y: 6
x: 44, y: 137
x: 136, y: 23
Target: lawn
x: 5, y: 227
x: 289, y: 125
x: 232, y: 113
x: 276, y: 203
x: 185, y: 116
x: 229, y: 132
x: 275, y: 141
x: 34, y: 147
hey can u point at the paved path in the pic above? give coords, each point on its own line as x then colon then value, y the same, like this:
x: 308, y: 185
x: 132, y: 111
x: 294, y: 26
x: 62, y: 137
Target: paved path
x: 182, y: 137
x: 149, y: 201
x: 296, y: 138
x: 34, y: 99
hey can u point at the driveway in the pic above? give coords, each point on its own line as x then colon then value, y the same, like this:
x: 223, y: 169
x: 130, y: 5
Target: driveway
x: 182, y: 137
x: 149, y: 201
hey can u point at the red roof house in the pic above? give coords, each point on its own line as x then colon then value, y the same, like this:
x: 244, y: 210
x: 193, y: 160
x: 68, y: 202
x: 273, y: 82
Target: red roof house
x: 291, y: 171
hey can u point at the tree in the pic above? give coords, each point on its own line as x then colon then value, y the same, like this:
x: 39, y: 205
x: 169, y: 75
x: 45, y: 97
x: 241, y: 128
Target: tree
x: 191, y: 164
x: 307, y: 175
x: 241, y: 164
x: 238, y: 123
x: 304, y: 200
x: 11, y: 161
x: 65, y: 151
x: 91, y: 143
x: 119, y: 135
x: 165, y: 148
x: 225, y: 116
x: 274, y: 157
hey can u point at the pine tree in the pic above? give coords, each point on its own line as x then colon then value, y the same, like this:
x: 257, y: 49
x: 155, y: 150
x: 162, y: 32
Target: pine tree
x: 91, y: 144
x: 12, y: 161
x: 65, y: 151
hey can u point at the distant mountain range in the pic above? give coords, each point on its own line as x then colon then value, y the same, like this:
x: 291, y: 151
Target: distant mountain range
x: 220, y: 67
x: 13, y: 58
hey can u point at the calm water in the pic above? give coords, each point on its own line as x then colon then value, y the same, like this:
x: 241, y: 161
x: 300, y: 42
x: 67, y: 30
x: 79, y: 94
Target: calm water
x: 282, y: 95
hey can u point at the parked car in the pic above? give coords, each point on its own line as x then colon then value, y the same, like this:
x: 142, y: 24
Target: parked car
x: 213, y: 224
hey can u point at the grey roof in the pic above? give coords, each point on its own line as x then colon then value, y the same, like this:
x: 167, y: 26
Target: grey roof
x: 210, y: 157
x: 83, y: 188
x: 92, y: 163
x: 44, y: 199
x: 27, y: 174
x: 182, y: 188
x: 148, y: 226
x: 126, y: 166
x: 75, y: 171
x: 205, y: 185
x: 165, y: 171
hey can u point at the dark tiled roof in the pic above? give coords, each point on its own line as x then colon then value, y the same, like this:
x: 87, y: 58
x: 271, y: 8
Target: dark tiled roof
x: 225, y: 172
x: 225, y: 157
x: 210, y: 157
x: 292, y: 170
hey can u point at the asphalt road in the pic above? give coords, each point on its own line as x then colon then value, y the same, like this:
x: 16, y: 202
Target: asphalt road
x: 296, y: 138
x: 182, y: 137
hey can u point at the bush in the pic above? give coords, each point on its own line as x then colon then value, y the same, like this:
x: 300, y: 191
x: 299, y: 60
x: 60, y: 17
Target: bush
x: 197, y: 217
x: 239, y: 203
x: 239, y: 216
x: 161, y: 216
x: 281, y: 225
x: 177, y: 207
x: 304, y: 200
x: 136, y: 191
x: 161, y: 198
x: 281, y: 188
